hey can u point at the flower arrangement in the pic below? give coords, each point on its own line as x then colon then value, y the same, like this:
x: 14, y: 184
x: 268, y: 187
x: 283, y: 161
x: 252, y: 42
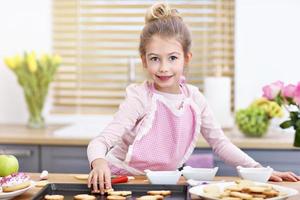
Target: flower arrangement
x: 34, y: 75
x: 254, y: 120
x: 287, y: 96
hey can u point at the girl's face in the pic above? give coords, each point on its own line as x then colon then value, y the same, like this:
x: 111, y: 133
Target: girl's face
x: 164, y: 61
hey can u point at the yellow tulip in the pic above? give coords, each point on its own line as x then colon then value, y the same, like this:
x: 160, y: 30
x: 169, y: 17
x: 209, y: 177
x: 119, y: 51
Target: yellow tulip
x: 44, y: 60
x: 18, y: 60
x: 10, y: 62
x: 31, y: 61
x: 56, y: 59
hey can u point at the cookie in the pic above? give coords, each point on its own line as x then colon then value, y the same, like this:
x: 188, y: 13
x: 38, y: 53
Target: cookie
x: 41, y: 183
x: 241, y: 195
x: 256, y: 189
x: 14, y: 182
x: 108, y: 190
x: 115, y: 197
x: 16, y: 187
x: 84, y: 197
x: 54, y: 197
x: 231, y: 198
x: 119, y: 193
x: 150, y: 197
x: 262, y: 196
x: 244, y: 183
x: 269, y: 193
x: 212, y: 190
x: 236, y: 188
x: 159, y: 192
x: 82, y: 176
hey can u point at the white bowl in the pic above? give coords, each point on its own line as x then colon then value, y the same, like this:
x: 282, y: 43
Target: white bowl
x: 200, y: 174
x: 163, y: 177
x: 261, y: 174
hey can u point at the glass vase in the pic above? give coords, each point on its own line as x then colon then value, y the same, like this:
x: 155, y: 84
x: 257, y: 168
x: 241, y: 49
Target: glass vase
x: 36, y: 121
x: 297, y: 138
x: 35, y: 106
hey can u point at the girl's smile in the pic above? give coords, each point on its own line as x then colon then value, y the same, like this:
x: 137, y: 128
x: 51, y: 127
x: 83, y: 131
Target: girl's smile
x: 164, y: 77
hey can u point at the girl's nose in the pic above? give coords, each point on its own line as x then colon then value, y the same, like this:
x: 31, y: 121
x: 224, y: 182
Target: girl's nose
x: 163, y: 67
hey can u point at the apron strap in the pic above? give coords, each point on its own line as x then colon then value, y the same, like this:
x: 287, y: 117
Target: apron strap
x: 182, y: 87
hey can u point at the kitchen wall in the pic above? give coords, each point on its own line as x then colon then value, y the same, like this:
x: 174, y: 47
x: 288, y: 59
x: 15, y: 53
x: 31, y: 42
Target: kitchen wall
x: 267, y: 48
x: 24, y: 25
x: 267, y: 45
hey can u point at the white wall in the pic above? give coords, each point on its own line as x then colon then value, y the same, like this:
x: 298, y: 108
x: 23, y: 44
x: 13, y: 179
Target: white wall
x: 25, y: 25
x: 267, y: 47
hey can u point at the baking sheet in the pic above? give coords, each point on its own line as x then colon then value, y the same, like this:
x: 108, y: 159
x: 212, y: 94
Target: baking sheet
x: 179, y: 192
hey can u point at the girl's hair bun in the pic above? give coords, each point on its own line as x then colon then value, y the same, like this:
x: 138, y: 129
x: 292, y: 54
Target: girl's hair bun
x: 160, y: 10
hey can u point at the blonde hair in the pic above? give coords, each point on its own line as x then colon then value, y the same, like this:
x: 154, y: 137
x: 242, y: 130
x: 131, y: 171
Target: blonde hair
x: 163, y: 21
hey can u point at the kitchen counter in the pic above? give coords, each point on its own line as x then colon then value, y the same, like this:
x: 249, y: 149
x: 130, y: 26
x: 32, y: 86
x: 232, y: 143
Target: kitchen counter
x: 70, y: 178
x: 48, y: 149
x: 20, y: 134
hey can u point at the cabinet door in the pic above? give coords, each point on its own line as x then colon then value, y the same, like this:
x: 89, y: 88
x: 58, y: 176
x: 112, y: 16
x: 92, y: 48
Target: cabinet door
x: 280, y: 160
x: 224, y: 169
x: 27, y: 155
x: 70, y: 159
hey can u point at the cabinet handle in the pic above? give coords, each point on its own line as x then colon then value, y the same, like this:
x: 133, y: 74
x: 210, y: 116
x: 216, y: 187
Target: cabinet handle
x: 16, y: 152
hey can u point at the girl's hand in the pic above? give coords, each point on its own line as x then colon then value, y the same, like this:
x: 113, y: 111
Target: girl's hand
x: 284, y: 176
x: 100, y: 173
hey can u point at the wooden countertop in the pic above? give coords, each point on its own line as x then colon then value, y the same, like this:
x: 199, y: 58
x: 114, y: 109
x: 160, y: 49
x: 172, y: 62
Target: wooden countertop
x: 70, y: 178
x: 20, y: 134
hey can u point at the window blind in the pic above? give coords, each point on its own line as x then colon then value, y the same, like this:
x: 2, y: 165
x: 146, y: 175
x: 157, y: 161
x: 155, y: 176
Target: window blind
x: 98, y: 42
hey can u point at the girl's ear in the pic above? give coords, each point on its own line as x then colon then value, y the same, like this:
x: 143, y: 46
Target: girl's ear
x: 188, y: 58
x: 144, y: 61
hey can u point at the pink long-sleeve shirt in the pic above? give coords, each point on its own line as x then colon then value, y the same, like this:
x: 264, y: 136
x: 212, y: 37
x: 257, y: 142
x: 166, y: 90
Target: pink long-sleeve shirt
x: 134, y: 108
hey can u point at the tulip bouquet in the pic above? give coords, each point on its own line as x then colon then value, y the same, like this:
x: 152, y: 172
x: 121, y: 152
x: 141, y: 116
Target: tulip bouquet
x: 289, y: 97
x: 34, y: 75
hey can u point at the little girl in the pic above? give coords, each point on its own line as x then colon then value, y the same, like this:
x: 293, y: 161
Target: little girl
x: 160, y: 120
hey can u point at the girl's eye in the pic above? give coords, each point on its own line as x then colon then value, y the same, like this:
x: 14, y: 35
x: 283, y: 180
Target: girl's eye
x: 172, y: 58
x: 154, y: 59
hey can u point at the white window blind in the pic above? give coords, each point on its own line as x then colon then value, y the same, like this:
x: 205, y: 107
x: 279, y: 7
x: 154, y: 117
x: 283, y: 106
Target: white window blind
x: 98, y: 42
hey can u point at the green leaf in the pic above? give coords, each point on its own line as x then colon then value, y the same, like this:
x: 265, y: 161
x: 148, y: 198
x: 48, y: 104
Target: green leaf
x: 286, y: 124
x: 278, y: 99
x: 290, y: 101
x: 297, y: 125
x: 294, y: 116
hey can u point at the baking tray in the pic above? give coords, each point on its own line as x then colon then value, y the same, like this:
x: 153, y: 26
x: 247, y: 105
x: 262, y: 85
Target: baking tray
x: 179, y: 192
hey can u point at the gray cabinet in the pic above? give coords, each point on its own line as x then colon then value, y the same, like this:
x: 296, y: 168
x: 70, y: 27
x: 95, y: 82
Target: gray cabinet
x: 55, y: 159
x: 73, y: 159
x: 68, y: 159
x: 281, y: 160
x: 28, y: 156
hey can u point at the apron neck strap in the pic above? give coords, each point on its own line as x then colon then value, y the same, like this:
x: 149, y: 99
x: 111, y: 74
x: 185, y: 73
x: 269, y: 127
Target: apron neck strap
x: 181, y: 87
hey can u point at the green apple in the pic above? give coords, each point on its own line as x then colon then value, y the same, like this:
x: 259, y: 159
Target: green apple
x: 8, y: 164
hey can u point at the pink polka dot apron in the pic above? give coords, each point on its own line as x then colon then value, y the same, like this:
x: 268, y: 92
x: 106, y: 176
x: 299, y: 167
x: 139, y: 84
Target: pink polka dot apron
x: 165, y: 138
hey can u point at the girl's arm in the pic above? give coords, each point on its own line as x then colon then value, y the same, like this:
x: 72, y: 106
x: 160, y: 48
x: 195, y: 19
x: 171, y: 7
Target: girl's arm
x: 227, y: 151
x: 129, y: 112
x: 221, y: 145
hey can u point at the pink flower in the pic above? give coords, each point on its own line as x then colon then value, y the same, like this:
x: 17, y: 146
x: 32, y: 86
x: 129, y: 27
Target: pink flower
x: 272, y: 90
x: 289, y: 91
x: 297, y: 94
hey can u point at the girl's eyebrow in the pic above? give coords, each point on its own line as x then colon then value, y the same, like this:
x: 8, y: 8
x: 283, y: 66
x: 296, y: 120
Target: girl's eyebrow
x: 174, y: 53
x: 153, y: 54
